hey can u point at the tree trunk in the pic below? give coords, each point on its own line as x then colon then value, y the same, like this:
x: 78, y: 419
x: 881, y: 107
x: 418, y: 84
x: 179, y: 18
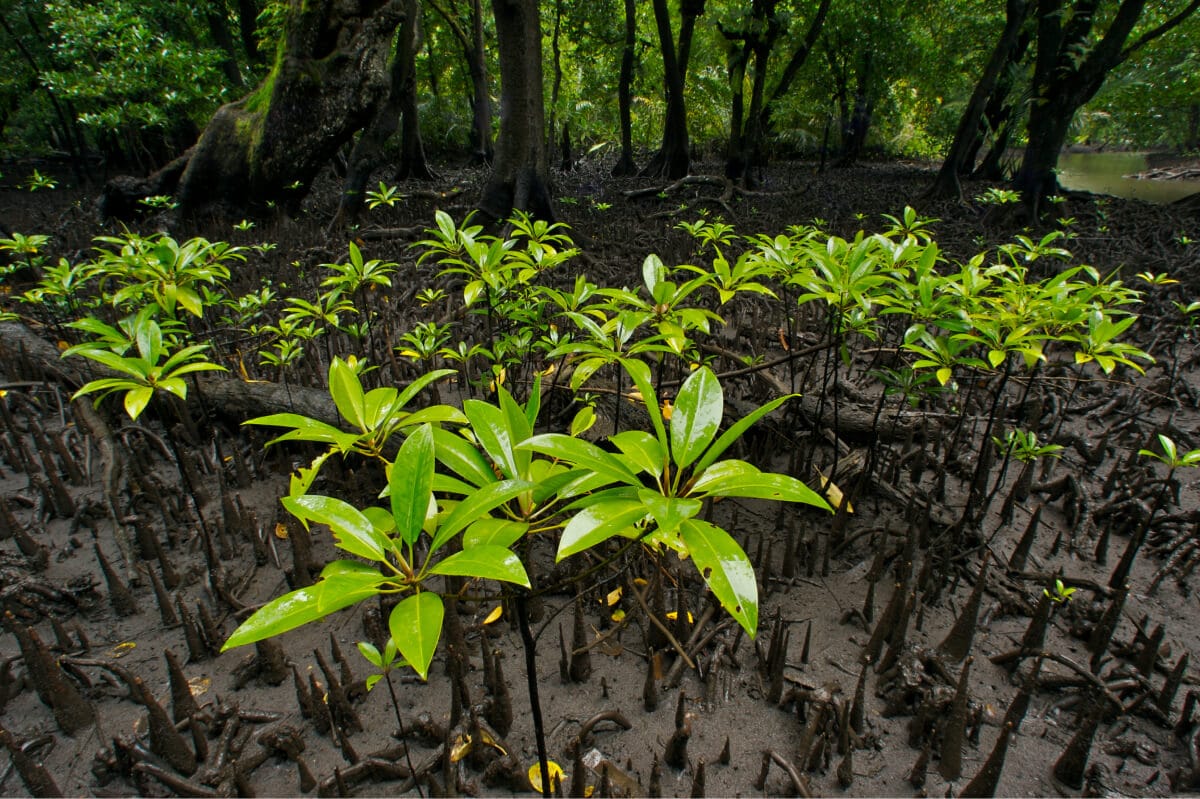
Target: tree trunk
x: 481, y: 108
x: 248, y: 29
x: 218, y: 28
x: 472, y: 45
x: 857, y: 123
x: 673, y: 159
x: 413, y: 163
x: 946, y: 183
x: 625, y: 164
x: 520, y: 178
x: 367, y: 154
x: 1072, y: 64
x: 268, y: 147
x: 762, y: 129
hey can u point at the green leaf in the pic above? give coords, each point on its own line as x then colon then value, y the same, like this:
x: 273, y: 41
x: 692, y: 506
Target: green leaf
x: 642, y: 450
x: 491, y: 426
x: 347, y: 392
x: 354, y: 531
x: 699, y: 408
x: 640, y: 373
x: 734, y: 478
x: 597, y: 523
x: 669, y: 512
x: 461, y: 457
x: 726, y: 569
x: 583, y: 454
x: 136, y: 400
x: 493, y: 532
x: 411, y: 483
x: 292, y: 610
x: 486, y: 562
x: 416, y: 626
x: 476, y: 506
x: 370, y: 653
x: 347, y: 582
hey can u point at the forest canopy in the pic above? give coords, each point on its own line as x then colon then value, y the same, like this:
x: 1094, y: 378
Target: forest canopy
x: 133, y: 85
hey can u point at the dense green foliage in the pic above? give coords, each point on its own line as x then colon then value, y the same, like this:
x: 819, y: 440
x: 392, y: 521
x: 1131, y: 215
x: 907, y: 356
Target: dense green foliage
x: 135, y: 81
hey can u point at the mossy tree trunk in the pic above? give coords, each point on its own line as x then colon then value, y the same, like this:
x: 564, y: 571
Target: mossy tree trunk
x: 330, y: 74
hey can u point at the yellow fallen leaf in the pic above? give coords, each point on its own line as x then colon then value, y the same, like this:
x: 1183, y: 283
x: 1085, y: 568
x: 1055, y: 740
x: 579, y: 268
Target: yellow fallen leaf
x: 535, y: 775
x: 588, y: 791
x: 614, y: 596
x: 667, y: 409
x: 618, y: 615
x: 490, y: 741
x: 673, y: 615
x: 833, y: 493
x: 199, y: 685
x: 640, y: 582
x: 496, y: 613
x: 122, y: 649
x: 462, y: 745
x: 549, y: 370
x: 281, y: 531
x: 63, y: 346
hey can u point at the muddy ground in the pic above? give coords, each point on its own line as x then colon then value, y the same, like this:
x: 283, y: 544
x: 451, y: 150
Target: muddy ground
x: 220, y: 551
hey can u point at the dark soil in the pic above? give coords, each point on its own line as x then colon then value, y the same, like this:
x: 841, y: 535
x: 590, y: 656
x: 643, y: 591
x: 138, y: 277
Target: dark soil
x: 228, y: 548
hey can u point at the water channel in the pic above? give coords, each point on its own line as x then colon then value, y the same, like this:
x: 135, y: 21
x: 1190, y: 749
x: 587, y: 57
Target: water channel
x: 1107, y: 173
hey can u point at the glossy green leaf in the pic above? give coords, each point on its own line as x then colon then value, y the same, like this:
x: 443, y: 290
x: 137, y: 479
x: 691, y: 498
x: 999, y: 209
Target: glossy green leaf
x: 583, y: 454
x: 347, y: 392
x: 597, y: 523
x: 476, y: 506
x: 292, y: 610
x: 491, y: 428
x: 734, y: 478
x: 640, y: 373
x: 416, y: 626
x: 136, y: 400
x: 726, y: 569
x: 669, y: 512
x: 411, y: 483
x: 493, y: 532
x: 347, y: 582
x: 699, y: 408
x: 642, y: 450
x: 461, y: 457
x: 353, y: 531
x: 485, y: 562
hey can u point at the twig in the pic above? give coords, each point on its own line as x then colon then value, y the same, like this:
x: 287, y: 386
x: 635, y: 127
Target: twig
x: 662, y: 627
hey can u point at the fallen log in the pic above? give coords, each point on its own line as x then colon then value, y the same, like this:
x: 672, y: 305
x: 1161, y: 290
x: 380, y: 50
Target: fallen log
x: 239, y: 399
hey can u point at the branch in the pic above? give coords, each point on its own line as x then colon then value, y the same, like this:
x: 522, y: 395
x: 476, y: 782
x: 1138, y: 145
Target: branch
x: 1159, y: 31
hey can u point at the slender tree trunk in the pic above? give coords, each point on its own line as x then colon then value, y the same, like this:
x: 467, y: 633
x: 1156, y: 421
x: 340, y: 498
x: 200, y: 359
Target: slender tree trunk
x: 481, y: 106
x: 673, y: 159
x: 625, y: 164
x: 218, y: 28
x: 763, y: 127
x: 413, y: 163
x: 946, y: 183
x: 520, y: 178
x: 248, y: 29
x: 856, y: 126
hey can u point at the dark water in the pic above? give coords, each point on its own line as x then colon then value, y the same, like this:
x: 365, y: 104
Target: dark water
x: 1105, y: 173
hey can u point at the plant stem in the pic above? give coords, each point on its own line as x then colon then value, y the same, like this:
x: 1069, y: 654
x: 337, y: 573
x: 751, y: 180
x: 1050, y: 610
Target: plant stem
x: 387, y: 676
x: 531, y: 680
